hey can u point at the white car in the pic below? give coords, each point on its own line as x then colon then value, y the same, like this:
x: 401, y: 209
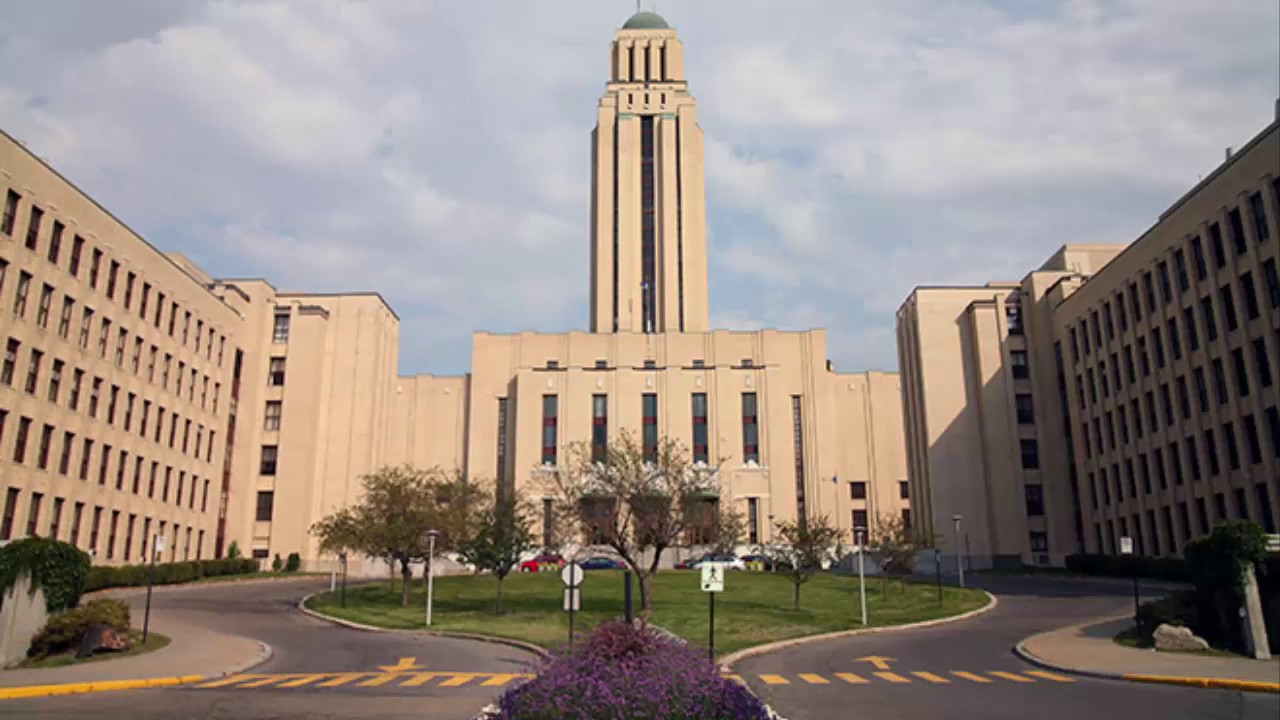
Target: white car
x: 732, y: 562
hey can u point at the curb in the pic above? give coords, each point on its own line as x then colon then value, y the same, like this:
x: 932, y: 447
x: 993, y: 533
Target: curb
x: 35, y: 691
x: 518, y: 644
x: 1197, y: 682
x: 728, y: 660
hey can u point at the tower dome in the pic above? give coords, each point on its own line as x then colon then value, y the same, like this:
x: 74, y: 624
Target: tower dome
x: 645, y: 20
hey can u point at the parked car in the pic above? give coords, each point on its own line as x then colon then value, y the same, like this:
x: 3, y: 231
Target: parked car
x: 733, y: 562
x: 600, y: 562
x: 544, y: 562
x: 760, y: 562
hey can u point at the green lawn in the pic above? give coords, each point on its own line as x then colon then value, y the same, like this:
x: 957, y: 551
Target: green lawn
x: 155, y: 641
x: 755, y: 608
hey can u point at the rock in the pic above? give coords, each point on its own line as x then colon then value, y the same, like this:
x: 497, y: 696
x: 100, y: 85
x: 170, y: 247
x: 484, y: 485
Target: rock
x: 1173, y: 637
x: 101, y: 637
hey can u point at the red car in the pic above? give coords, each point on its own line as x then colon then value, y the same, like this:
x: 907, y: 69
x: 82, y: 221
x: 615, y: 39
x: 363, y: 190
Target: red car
x: 544, y: 562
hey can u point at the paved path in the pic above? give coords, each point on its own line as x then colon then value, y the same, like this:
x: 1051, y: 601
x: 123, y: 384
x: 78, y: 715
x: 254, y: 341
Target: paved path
x: 316, y: 670
x: 968, y: 669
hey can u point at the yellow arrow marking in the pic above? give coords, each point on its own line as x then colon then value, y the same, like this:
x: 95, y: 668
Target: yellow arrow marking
x: 378, y: 680
x: 880, y: 663
x: 406, y: 664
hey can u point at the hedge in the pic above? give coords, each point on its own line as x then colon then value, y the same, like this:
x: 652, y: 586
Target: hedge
x: 57, y: 568
x: 102, y: 576
x: 1152, y: 568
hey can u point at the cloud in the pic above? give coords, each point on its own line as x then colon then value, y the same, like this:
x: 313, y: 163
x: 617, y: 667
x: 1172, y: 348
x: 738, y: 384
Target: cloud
x: 439, y: 152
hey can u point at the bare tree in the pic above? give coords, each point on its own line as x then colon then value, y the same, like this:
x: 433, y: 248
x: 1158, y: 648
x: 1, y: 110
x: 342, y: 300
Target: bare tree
x: 894, y: 547
x: 801, y: 548
x: 635, y: 499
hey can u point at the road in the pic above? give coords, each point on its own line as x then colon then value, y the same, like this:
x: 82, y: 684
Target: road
x: 329, y: 671
x: 968, y: 669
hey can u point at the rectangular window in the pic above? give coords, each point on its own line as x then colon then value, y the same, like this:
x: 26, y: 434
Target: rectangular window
x: 1273, y: 428
x: 1157, y: 346
x: 1106, y: 319
x: 280, y: 329
x: 1025, y: 409
x: 33, y: 227
x: 77, y: 249
x: 267, y: 466
x: 649, y: 426
x: 33, y: 514
x: 1030, y: 453
x: 1262, y: 361
x: 753, y: 521
x: 1272, y: 279
x: 1215, y: 245
x: 20, y: 297
x: 20, y: 442
x: 700, y: 446
x: 42, y: 309
x: 750, y: 429
x: 111, y: 534
x: 1228, y: 308
x: 1149, y: 291
x: 904, y: 490
x: 1197, y: 258
x: 113, y: 273
x: 275, y: 374
x: 1250, y: 294
x: 266, y: 505
x: 10, y: 509
x: 1180, y: 270
x: 1259, y: 215
x: 1133, y: 302
x: 271, y: 420
x: 1189, y: 324
x: 858, y: 490
x: 599, y: 427
x: 11, y: 199
x: 1237, y: 231
x: 550, y: 420
x: 1039, y: 542
x: 1242, y: 376
x: 1162, y: 272
x: 648, y: 226
x: 64, y: 318
x: 1251, y: 440
x: 1175, y: 343
x: 33, y: 371
x: 10, y: 361
x: 1018, y: 360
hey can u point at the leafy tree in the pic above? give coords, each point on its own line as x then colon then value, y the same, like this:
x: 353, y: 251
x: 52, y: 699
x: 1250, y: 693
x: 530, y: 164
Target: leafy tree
x: 636, y: 501
x: 801, y: 547
x: 894, y: 547
x: 293, y: 562
x: 277, y: 564
x: 501, y: 533
x: 233, y: 550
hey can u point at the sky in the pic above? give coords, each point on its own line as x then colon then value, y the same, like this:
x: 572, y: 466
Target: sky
x: 438, y: 152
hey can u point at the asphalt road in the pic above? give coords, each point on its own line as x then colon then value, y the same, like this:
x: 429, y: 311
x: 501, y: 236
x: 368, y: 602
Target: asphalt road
x: 947, y: 671
x: 335, y: 672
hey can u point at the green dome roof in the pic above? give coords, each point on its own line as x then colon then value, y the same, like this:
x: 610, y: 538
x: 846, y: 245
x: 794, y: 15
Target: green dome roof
x: 645, y: 20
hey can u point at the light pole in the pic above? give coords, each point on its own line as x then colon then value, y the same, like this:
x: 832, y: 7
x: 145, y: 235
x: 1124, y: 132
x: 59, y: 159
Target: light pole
x: 431, y: 574
x: 157, y: 547
x: 959, y: 556
x: 342, y: 557
x: 858, y: 534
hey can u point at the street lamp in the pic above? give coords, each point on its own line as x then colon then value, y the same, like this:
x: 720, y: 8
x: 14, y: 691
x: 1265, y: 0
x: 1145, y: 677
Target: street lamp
x: 959, y: 556
x: 342, y: 557
x: 430, y: 535
x: 858, y: 534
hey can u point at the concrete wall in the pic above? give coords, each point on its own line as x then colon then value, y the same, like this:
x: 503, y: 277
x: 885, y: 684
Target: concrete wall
x: 22, y: 614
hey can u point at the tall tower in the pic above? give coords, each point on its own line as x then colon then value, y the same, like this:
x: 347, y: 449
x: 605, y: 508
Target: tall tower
x: 648, y: 197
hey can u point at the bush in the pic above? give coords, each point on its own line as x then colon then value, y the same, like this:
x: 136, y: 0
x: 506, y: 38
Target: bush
x: 57, y: 568
x: 622, y: 672
x: 1176, y: 609
x: 293, y: 563
x: 277, y: 564
x: 233, y: 551
x: 102, y: 576
x: 64, y: 631
x: 1152, y: 568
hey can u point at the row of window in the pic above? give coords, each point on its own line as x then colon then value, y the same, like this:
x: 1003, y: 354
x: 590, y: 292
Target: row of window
x: 173, y: 533
x: 64, y: 464
x: 118, y: 405
x: 696, y: 364
x: 1159, y: 534
x: 858, y: 490
x: 149, y: 305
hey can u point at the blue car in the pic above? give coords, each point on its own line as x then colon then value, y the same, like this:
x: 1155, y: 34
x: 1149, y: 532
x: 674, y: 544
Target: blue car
x: 601, y: 563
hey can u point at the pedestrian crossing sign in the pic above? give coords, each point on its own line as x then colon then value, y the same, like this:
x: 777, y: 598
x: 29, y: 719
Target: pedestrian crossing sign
x: 712, y: 577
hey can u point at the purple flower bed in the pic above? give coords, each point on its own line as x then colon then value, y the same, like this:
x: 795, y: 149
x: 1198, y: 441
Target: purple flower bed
x: 623, y: 673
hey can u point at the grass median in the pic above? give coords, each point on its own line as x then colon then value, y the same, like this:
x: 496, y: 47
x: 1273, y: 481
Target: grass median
x: 754, y: 609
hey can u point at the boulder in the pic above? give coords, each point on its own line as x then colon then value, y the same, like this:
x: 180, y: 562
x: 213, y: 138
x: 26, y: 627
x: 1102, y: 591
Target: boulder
x: 1174, y: 637
x: 101, y: 637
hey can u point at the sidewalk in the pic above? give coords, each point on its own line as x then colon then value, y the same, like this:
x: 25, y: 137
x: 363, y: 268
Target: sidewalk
x: 1088, y: 649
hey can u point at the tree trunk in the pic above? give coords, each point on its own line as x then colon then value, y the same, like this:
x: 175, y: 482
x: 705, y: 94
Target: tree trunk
x: 797, y: 595
x: 406, y: 576
x: 500, y: 579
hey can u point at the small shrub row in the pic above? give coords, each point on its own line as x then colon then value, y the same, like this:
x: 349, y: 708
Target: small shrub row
x: 101, y: 576
x: 64, y: 631
x: 1151, y: 568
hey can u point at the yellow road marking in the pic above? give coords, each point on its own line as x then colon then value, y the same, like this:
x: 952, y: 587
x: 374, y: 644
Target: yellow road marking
x: 457, y: 680
x: 419, y: 679
x: 405, y: 664
x: 341, y: 679
x: 774, y: 680
x: 891, y: 677
x: 378, y: 680
x: 269, y: 679
x: 1011, y: 677
x: 853, y: 679
x: 30, y: 691
x: 937, y: 680
x: 969, y: 676
x: 229, y: 680
x: 813, y: 679
x: 1048, y: 676
x: 500, y: 679
x: 303, y: 680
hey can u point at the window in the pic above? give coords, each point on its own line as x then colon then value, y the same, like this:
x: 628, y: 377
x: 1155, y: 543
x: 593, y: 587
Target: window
x: 1189, y: 324
x: 112, y: 275
x: 1228, y: 308
x: 266, y: 505
x: 64, y: 459
x: 904, y: 490
x: 1030, y: 453
x: 95, y: 267
x: 858, y: 490
x: 33, y: 514
x: 33, y: 227
x: 77, y: 249
x: 20, y: 297
x: 1025, y: 409
x: 1158, y: 346
x: 46, y: 442
x: 1237, y: 231
x: 1018, y: 361
x: 750, y: 429
x: 1272, y: 280
x: 860, y: 523
x: 86, y: 450
x: 1242, y: 377
x: 11, y: 199
x: 272, y: 416
x: 33, y: 371
x: 700, y: 447
x: 1180, y: 270
x: 1149, y: 291
x: 1259, y: 215
x: 10, y: 499
x: 1263, y: 362
x: 55, y: 523
x: 1215, y: 245
x: 10, y: 361
x: 64, y: 319
x: 20, y: 442
x: 86, y: 321
x: 55, y: 380
x: 129, y: 280
x: 550, y: 418
x: 275, y: 374
x: 122, y: 339
x: 1013, y: 315
x: 1106, y: 319
x: 599, y: 427
x: 280, y: 330
x: 1220, y: 380
x: 42, y: 310
x: 1273, y: 429
x: 1133, y: 302
x: 1162, y: 272
x: 267, y: 466
x: 1197, y: 257
x: 1034, y: 500
x: 1175, y: 343
x: 649, y: 426
x: 1251, y: 307
x: 1251, y: 440
x: 753, y: 520
x: 103, y: 332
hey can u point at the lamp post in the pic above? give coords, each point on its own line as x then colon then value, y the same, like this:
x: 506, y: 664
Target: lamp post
x: 157, y: 547
x: 431, y: 574
x: 858, y: 534
x: 342, y: 557
x: 959, y: 556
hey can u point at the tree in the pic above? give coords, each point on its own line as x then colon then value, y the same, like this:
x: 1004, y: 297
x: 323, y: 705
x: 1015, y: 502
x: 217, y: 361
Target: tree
x: 637, y: 500
x: 499, y: 536
x: 726, y: 527
x: 801, y: 547
x: 397, y: 507
x: 894, y: 547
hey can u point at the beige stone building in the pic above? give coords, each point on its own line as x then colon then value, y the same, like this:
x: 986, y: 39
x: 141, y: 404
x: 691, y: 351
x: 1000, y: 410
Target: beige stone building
x: 304, y: 396
x: 1026, y: 403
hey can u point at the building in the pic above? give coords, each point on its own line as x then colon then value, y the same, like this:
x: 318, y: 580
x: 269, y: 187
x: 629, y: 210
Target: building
x: 304, y: 396
x: 1025, y: 403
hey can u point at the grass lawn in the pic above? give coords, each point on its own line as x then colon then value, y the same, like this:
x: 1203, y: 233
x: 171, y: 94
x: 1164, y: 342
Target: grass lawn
x: 155, y: 641
x: 755, y: 608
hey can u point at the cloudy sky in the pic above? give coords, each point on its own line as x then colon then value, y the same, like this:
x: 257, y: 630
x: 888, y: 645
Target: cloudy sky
x: 438, y: 152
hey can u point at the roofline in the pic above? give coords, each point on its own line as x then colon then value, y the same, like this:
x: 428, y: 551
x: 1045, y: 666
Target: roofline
x: 359, y: 293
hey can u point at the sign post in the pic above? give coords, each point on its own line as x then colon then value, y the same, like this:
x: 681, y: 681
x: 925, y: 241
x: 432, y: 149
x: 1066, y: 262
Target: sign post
x: 571, y: 575
x: 157, y: 547
x: 712, y: 583
x: 430, y: 537
x: 1126, y: 548
x: 859, y: 534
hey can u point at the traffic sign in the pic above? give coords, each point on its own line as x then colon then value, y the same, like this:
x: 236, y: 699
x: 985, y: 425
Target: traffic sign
x: 712, y: 577
x: 572, y: 599
x: 571, y: 575
x: 1126, y: 545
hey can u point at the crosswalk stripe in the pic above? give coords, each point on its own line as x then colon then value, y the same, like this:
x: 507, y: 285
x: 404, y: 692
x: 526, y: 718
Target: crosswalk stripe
x: 937, y: 680
x: 891, y: 677
x: 1011, y: 677
x: 378, y: 680
x: 229, y: 680
x: 774, y: 680
x: 852, y: 679
x: 341, y: 679
x: 421, y: 678
x: 500, y: 679
x: 457, y: 680
x: 813, y: 679
x: 1048, y: 676
x: 970, y: 676
x: 303, y: 680
x: 265, y: 681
